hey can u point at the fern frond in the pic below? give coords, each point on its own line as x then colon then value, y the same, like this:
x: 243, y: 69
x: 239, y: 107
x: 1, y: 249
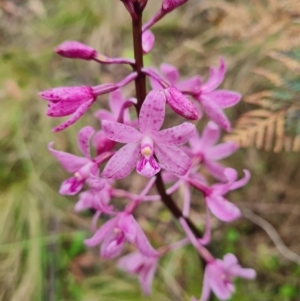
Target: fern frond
x: 273, y: 77
x: 263, y: 129
x: 288, y: 62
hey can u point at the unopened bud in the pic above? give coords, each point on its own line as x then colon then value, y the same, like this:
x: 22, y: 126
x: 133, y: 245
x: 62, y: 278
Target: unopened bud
x: 180, y: 103
x: 76, y: 50
x: 147, y: 41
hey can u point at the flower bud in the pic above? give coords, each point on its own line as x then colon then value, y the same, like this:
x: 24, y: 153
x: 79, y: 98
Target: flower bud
x: 180, y: 103
x: 169, y: 5
x: 147, y: 41
x: 64, y: 101
x: 76, y: 50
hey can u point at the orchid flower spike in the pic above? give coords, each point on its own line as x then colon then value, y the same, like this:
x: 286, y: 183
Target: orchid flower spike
x: 149, y: 141
x: 83, y: 168
x: 218, y: 277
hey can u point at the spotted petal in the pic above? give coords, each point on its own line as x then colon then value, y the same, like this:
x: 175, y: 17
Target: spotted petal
x: 152, y: 112
x: 76, y: 115
x: 172, y: 159
x: 215, y: 113
x: 225, y: 98
x: 176, y: 135
x: 120, y: 132
x: 122, y: 162
x: 83, y: 140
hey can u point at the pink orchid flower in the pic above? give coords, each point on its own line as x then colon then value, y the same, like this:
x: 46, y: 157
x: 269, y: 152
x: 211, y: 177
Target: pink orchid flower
x: 204, y: 149
x: 149, y: 141
x: 214, y: 101
x: 83, y: 168
x: 142, y: 266
x: 113, y: 234
x: 218, y: 277
x: 217, y: 204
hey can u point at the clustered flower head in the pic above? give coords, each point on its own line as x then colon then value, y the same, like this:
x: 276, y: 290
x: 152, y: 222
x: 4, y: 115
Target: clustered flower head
x: 171, y: 158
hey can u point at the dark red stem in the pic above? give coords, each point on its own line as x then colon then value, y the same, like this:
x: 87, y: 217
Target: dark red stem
x: 140, y: 86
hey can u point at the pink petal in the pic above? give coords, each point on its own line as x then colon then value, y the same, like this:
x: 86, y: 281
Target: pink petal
x: 112, y: 246
x: 143, y: 244
x: 195, y: 142
x: 128, y: 225
x: 146, y: 279
x: 102, y: 143
x: 104, y: 115
x: 225, y: 98
x: 63, y: 108
x: 85, y: 201
x: 155, y: 85
x: 177, y: 135
x: 71, y: 186
x: 152, y: 112
x: 216, y: 77
x: 216, y: 282
x: 105, y: 230
x: 69, y: 162
x: 231, y: 175
x: 170, y: 72
x: 147, y: 167
x: 122, y: 162
x: 222, y: 209
x: 205, y: 288
x: 131, y: 262
x: 216, y: 170
x: 242, y: 182
x: 116, y: 100
x: 76, y: 115
x: 190, y: 84
x: 215, y: 113
x: 83, y: 140
x: 229, y: 260
x: 120, y: 132
x: 238, y: 271
x: 172, y: 159
x: 222, y: 150
x: 210, y: 134
x: 148, y: 40
x: 96, y: 183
